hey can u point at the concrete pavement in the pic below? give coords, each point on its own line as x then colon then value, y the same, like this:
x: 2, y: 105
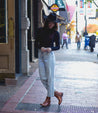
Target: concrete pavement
x: 80, y: 89
x: 78, y: 79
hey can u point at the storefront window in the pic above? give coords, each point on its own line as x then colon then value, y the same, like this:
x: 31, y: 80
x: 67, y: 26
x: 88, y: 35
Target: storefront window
x: 3, y: 22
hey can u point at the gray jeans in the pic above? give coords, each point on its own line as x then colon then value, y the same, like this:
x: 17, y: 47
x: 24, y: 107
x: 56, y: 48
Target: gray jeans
x: 46, y: 71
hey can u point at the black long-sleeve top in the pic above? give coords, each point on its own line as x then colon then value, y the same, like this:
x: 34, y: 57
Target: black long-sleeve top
x: 47, y: 38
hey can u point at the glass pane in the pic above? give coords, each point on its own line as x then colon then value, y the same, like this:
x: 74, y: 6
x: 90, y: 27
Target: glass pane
x: 2, y: 21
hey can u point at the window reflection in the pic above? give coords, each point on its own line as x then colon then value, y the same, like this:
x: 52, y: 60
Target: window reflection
x: 2, y: 21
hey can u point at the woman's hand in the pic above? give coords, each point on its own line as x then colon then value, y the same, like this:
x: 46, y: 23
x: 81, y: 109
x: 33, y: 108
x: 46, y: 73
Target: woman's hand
x: 43, y: 49
x: 48, y: 50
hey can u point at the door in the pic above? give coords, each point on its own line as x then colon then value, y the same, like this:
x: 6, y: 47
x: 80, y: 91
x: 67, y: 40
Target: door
x: 7, y: 39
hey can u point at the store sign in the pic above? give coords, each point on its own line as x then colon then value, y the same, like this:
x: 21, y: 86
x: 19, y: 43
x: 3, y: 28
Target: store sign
x: 54, y: 7
x: 60, y: 4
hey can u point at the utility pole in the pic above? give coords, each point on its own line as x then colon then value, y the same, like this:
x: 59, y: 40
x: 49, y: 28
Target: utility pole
x: 76, y: 16
x: 85, y: 18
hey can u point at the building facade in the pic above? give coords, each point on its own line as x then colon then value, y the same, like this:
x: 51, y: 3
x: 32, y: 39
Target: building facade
x: 19, y: 21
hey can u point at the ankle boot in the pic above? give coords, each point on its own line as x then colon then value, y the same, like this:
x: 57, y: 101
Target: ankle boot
x: 46, y: 102
x: 59, y: 96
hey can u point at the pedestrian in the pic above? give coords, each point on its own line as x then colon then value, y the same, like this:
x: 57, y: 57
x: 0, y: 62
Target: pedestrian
x: 92, y: 42
x: 65, y: 39
x: 78, y: 40
x: 47, y: 41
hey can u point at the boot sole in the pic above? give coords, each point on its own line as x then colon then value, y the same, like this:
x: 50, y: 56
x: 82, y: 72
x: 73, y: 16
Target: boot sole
x: 44, y: 105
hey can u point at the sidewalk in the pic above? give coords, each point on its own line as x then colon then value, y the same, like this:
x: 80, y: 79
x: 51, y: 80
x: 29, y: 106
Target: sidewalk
x: 80, y: 91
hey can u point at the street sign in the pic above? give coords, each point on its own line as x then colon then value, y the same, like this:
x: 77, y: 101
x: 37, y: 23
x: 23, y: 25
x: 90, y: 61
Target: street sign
x: 89, y: 4
x: 54, y: 7
x: 81, y: 3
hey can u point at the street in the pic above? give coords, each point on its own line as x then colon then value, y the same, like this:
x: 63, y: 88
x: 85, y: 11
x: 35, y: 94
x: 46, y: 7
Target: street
x: 77, y: 75
x: 72, y: 54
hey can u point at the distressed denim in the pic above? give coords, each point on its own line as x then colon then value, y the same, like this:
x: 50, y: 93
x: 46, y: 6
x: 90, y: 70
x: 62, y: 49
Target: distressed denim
x: 46, y: 71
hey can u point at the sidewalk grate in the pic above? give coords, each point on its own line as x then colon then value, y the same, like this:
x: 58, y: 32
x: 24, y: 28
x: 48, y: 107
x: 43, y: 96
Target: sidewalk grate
x: 56, y: 108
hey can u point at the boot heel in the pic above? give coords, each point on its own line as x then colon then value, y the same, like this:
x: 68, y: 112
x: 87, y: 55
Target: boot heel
x: 46, y: 102
x: 59, y: 96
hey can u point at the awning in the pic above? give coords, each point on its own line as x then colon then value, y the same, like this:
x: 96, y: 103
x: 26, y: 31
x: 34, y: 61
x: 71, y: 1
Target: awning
x: 71, y: 10
x: 64, y: 15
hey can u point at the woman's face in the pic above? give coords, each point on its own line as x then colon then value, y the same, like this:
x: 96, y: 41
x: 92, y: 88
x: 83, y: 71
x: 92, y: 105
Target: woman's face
x: 51, y: 25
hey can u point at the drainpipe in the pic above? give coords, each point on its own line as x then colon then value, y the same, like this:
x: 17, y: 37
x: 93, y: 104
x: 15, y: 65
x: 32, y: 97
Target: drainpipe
x: 18, y: 37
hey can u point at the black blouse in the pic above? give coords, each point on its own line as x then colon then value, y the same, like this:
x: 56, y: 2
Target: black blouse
x: 47, y: 38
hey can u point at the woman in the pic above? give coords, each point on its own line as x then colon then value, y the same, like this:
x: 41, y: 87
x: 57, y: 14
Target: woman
x: 65, y: 39
x: 47, y: 41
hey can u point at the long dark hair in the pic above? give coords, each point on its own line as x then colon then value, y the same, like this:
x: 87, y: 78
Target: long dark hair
x: 46, y: 25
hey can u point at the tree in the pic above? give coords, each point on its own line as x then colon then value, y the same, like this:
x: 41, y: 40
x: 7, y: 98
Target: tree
x: 92, y: 1
x: 89, y: 0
